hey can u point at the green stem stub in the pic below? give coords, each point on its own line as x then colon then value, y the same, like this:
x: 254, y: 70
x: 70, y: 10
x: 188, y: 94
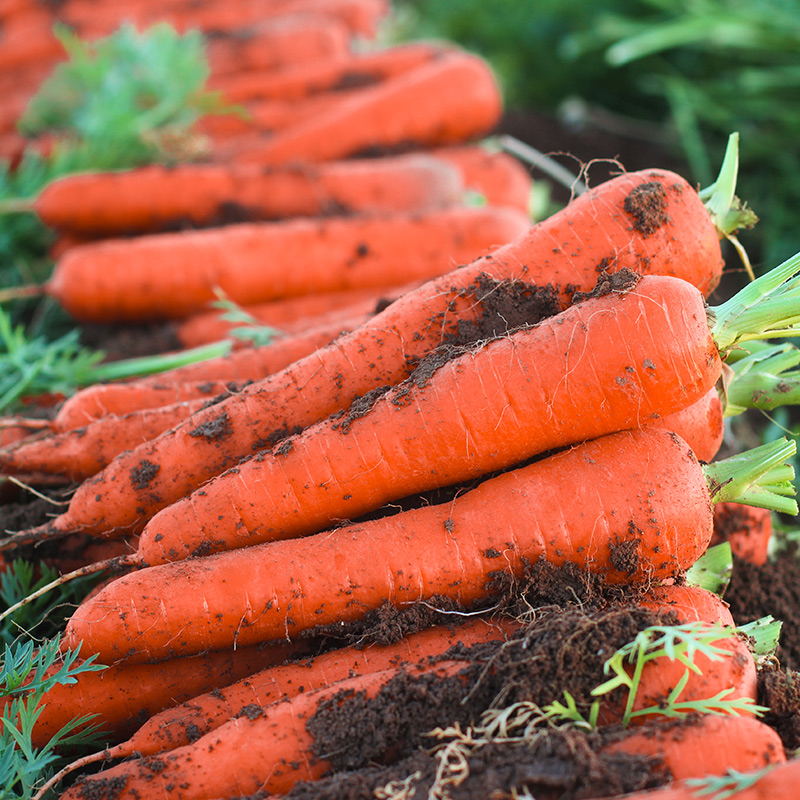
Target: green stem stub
x: 764, y: 635
x: 767, y: 308
x: 726, y: 210
x: 762, y: 477
x: 713, y: 570
x: 765, y: 379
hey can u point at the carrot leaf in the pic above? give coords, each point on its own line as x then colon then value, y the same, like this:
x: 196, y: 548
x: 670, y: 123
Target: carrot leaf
x: 766, y: 308
x: 760, y: 477
x: 250, y: 329
x: 721, y: 787
x: 713, y: 570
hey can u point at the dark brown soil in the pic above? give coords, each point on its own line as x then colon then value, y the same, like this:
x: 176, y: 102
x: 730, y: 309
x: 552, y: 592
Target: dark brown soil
x: 564, y: 764
x: 772, y: 589
x: 618, y: 282
x: 779, y: 690
x: 214, y: 429
x: 25, y: 514
x: 142, y: 474
x: 647, y: 205
x: 562, y: 650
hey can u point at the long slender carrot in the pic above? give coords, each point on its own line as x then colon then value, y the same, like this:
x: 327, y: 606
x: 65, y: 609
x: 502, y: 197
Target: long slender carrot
x: 291, y: 39
x: 150, y: 198
x: 281, y: 588
x: 596, y: 229
x: 124, y: 695
x: 255, y: 262
x: 449, y: 101
x: 182, y: 724
x: 302, y: 80
x: 501, y: 179
x: 210, y: 326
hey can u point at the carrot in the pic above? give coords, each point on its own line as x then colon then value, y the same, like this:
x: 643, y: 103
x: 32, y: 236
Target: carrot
x: 277, y: 43
x: 779, y: 783
x: 700, y: 424
x: 338, y: 581
x: 329, y: 75
x: 123, y: 695
x: 257, y: 262
x: 448, y: 101
x: 501, y: 179
x: 81, y: 452
x: 284, y: 748
x: 748, y: 530
x: 182, y: 724
x: 595, y: 229
x: 210, y: 326
x: 513, y: 398
x: 150, y: 198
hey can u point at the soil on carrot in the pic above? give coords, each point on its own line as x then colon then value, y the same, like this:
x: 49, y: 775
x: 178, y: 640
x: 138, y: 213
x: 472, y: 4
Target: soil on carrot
x: 561, y: 650
x: 564, y: 764
x: 779, y: 690
x: 214, y: 429
x: 618, y: 282
x: 647, y: 205
x: 773, y: 588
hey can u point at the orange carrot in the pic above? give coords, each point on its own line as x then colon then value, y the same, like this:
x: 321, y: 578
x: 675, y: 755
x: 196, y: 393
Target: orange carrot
x: 746, y: 528
x: 448, y: 101
x: 124, y: 695
x: 595, y: 229
x: 501, y: 179
x: 342, y: 573
x: 287, y: 315
x: 329, y: 75
x: 700, y: 424
x: 150, y: 198
x: 257, y: 262
x: 277, y: 43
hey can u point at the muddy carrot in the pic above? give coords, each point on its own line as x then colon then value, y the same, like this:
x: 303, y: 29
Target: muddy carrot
x: 626, y: 538
x: 150, y: 198
x: 256, y: 262
x: 748, y: 530
x: 595, y: 228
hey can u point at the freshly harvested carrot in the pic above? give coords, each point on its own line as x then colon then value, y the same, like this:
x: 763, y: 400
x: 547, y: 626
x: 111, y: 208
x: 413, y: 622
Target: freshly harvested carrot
x: 487, y: 410
x: 779, y: 783
x: 330, y: 75
x: 209, y: 326
x: 80, y: 452
x: 123, y: 695
x: 256, y: 262
x: 277, y: 43
x: 283, y: 750
x: 150, y: 198
x: 343, y: 573
x: 748, y: 530
x: 501, y: 179
x: 605, y: 225
x: 700, y: 424
x: 182, y: 724
x: 448, y: 101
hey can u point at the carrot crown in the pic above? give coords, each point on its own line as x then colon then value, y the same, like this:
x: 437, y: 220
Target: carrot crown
x: 768, y: 307
x: 761, y: 477
x: 764, y: 379
x: 713, y: 570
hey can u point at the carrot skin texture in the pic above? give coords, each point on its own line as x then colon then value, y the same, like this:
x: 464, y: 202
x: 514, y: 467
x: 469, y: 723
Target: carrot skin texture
x: 149, y: 198
x: 700, y: 425
x: 528, y: 392
x: 130, y: 280
x: 181, y: 725
x: 448, y: 101
x: 338, y: 576
x: 748, y: 530
x: 594, y: 229
x: 124, y: 693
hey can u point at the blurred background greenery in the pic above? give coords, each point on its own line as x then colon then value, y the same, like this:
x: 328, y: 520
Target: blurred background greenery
x: 675, y: 74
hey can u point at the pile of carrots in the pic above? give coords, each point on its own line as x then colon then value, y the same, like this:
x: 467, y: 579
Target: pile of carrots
x: 451, y: 396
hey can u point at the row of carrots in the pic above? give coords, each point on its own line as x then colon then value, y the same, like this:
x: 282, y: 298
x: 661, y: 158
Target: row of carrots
x: 414, y: 358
